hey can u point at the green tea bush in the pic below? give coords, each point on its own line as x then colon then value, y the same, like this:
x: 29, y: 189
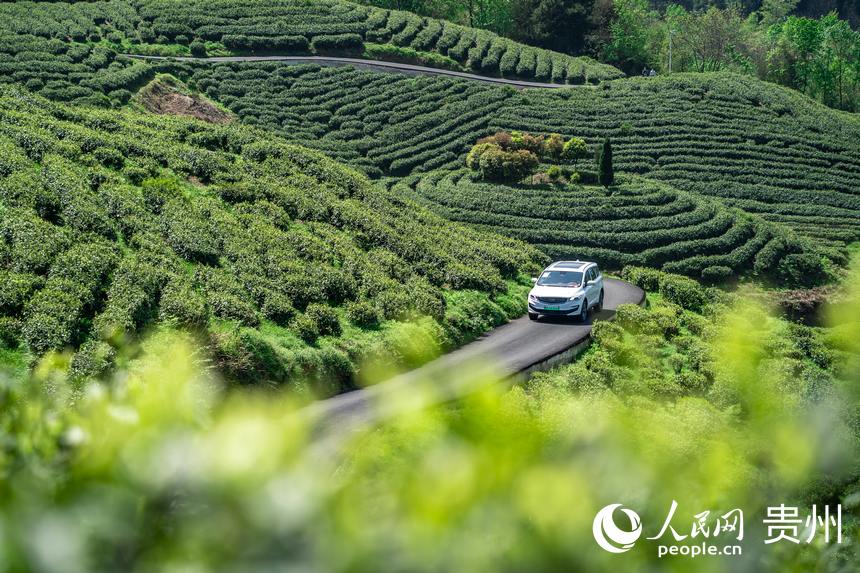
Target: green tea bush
x: 55, y: 315
x: 94, y: 359
x: 648, y: 279
x: 395, y: 304
x: 15, y: 290
x: 98, y: 249
x: 337, y: 43
x: 805, y: 269
x: 181, y: 303
x: 198, y: 48
x: 254, y: 44
x: 132, y: 299
x: 10, y: 332
x: 278, y: 308
x: 682, y: 291
x: 362, y: 313
x: 189, y: 231
x: 716, y: 273
x: 305, y: 328
x: 637, y: 319
x: 325, y: 318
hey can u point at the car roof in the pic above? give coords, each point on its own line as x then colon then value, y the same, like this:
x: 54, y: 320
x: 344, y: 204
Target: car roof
x: 569, y: 265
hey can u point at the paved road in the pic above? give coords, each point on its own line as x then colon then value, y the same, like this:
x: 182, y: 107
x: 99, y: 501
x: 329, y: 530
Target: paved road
x: 501, y: 353
x: 359, y: 62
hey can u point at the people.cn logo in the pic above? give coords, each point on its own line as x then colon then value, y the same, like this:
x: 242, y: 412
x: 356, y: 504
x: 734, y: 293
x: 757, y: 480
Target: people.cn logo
x: 611, y: 537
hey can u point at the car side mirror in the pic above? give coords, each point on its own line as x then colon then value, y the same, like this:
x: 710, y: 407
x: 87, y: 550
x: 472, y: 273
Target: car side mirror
x: 534, y: 279
x: 589, y: 283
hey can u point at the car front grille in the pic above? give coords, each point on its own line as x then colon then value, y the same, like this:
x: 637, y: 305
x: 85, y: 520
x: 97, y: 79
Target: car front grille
x: 551, y: 299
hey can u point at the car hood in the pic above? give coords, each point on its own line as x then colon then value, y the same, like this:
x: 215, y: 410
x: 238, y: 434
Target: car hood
x: 565, y: 292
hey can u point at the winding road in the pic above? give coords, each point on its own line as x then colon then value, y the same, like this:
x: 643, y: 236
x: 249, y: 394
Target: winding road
x: 378, y: 65
x: 511, y: 349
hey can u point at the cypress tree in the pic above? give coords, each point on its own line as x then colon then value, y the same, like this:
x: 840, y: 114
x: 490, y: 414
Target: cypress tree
x: 605, y: 172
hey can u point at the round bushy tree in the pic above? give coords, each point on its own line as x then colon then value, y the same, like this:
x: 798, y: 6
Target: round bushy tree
x: 574, y: 150
x: 508, y: 166
x: 553, y: 147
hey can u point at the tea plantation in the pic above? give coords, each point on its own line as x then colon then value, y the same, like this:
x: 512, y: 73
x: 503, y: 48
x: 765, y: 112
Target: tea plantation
x: 70, y: 49
x: 384, y: 123
x: 741, y: 142
x: 752, y: 145
x: 287, y: 264
x: 639, y: 222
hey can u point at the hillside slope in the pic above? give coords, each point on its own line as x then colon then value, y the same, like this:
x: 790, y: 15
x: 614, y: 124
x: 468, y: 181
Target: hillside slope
x: 745, y: 143
x: 638, y: 222
x: 56, y: 36
x: 288, y: 264
x: 753, y: 145
x: 750, y: 144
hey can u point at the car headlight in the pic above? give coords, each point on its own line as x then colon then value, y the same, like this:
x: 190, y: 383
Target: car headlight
x: 532, y: 297
x: 574, y: 298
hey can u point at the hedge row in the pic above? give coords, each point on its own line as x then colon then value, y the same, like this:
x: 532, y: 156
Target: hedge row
x: 638, y: 222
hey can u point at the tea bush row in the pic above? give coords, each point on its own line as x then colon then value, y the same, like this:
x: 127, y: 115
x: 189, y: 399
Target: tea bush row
x: 639, y: 222
x: 286, y: 26
x: 111, y: 223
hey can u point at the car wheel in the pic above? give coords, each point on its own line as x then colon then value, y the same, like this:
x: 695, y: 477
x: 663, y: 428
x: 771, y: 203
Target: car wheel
x: 533, y: 316
x: 599, y: 305
x: 583, y: 314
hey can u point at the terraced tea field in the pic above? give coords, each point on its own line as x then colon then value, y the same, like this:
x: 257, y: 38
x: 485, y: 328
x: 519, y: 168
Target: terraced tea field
x: 742, y: 142
x: 748, y: 144
x: 287, y: 263
x: 642, y: 222
x: 384, y: 123
x: 68, y: 50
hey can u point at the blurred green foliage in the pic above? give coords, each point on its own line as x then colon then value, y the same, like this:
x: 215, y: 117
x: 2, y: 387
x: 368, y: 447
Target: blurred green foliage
x: 157, y: 468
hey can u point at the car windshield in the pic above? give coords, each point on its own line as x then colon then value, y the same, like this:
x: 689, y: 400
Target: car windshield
x: 560, y: 278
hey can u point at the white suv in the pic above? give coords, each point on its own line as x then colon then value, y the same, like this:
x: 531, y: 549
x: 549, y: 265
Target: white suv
x: 567, y: 288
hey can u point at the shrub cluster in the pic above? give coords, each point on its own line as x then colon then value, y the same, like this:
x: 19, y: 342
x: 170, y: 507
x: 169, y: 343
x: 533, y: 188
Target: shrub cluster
x: 510, y: 157
x: 683, y: 291
x: 497, y: 164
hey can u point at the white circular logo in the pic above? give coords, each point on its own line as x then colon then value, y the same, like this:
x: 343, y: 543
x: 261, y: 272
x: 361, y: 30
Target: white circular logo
x: 611, y: 537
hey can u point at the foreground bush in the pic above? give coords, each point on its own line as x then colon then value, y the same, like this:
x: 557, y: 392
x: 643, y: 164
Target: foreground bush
x: 710, y: 421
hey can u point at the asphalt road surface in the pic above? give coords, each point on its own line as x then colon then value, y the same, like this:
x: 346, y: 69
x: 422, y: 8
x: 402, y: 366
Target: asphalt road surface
x: 499, y: 354
x: 362, y: 63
